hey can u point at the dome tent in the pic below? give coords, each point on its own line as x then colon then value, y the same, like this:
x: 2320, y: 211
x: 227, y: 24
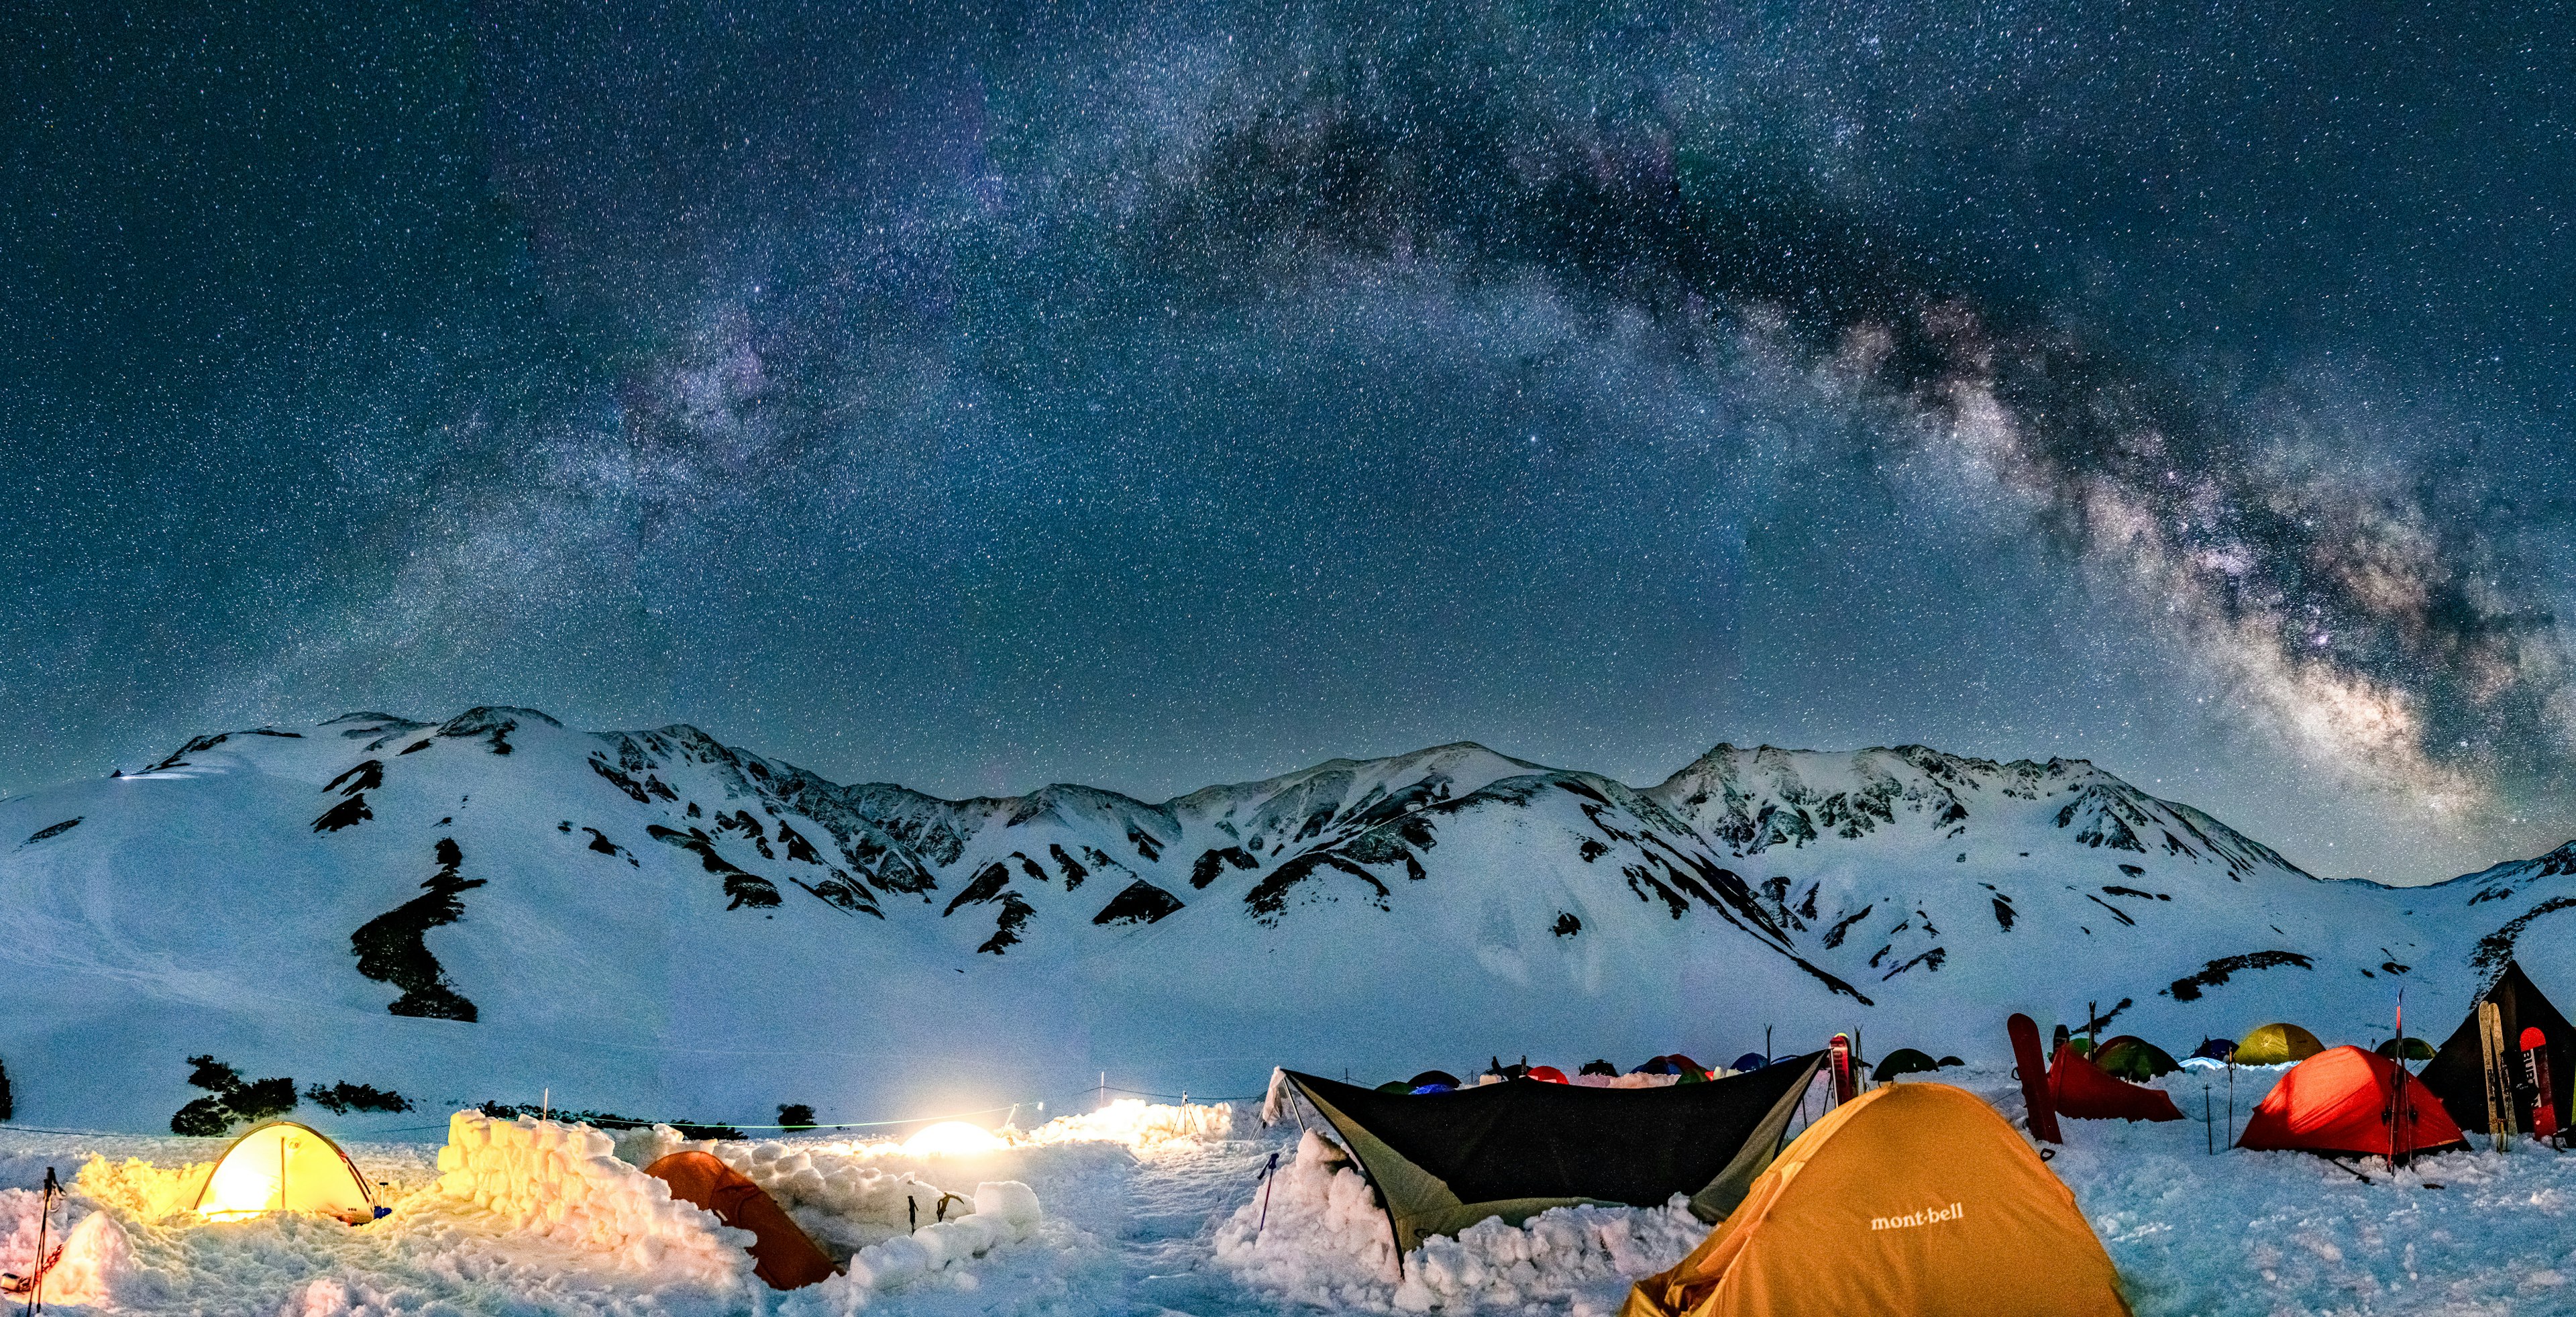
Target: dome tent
x: 1442, y: 1162
x: 2338, y: 1103
x: 2079, y: 1088
x: 2277, y: 1044
x: 1904, y: 1061
x: 783, y: 1255
x: 2131, y: 1057
x: 1926, y: 1202
x: 2416, y: 1049
x: 286, y: 1167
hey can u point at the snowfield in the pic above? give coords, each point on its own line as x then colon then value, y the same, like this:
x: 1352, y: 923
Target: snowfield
x: 497, y: 906
x: 1156, y: 1210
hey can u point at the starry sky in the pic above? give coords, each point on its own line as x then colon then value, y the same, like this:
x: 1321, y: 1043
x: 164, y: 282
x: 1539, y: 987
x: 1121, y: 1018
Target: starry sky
x: 1151, y: 395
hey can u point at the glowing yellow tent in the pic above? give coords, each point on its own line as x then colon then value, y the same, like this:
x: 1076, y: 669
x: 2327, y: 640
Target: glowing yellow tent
x: 286, y: 1167
x: 1913, y: 1198
x: 2277, y: 1044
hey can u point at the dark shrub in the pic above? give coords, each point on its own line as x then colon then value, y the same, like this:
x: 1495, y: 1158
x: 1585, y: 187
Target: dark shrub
x: 204, y: 1118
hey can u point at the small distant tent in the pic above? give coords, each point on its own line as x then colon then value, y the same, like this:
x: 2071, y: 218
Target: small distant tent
x: 2338, y: 1103
x: 1904, y: 1061
x: 2458, y: 1075
x: 286, y: 1167
x: 782, y: 1253
x: 1443, y: 1161
x: 2079, y: 1088
x: 2131, y: 1057
x: 2277, y: 1044
x: 2416, y: 1049
x: 2214, y: 1049
x: 1914, y: 1199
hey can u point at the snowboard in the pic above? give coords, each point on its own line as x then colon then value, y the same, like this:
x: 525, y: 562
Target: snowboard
x: 2033, y: 1069
x: 2535, y: 1068
x: 1846, y: 1083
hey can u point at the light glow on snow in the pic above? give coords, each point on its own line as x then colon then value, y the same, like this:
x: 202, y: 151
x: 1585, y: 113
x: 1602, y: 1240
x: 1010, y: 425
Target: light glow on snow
x: 953, y: 1138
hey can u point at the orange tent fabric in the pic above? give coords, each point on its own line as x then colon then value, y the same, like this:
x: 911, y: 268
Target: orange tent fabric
x: 2077, y: 1087
x: 782, y: 1254
x: 2337, y: 1102
x: 1912, y: 1199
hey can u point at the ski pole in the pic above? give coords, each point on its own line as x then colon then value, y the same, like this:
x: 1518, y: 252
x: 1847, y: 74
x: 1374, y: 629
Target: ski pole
x: 44, y: 1219
x: 1269, y: 1176
x: 2208, y: 1130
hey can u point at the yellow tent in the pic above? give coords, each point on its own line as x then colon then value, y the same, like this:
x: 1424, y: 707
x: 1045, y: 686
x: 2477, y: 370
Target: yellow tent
x: 1913, y: 1199
x: 2277, y: 1044
x: 286, y: 1167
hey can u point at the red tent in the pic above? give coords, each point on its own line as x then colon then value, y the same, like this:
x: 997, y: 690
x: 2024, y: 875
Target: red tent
x: 2337, y: 1102
x: 2079, y: 1088
x: 782, y: 1253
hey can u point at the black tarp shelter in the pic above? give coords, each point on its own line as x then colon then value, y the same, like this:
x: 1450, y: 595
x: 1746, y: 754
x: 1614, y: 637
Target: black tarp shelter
x: 1443, y: 1161
x: 2457, y: 1075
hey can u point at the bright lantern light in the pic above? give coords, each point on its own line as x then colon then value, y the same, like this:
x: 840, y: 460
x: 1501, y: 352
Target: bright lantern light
x: 951, y: 1137
x: 284, y: 1167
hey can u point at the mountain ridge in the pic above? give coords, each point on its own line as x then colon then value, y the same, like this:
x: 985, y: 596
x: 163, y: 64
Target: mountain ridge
x: 499, y: 895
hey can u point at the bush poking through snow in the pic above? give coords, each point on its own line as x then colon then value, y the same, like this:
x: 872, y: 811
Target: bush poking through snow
x: 344, y: 1097
x: 230, y: 1100
x: 1327, y: 1243
x: 8, y: 1102
x: 795, y: 1116
x: 202, y: 1118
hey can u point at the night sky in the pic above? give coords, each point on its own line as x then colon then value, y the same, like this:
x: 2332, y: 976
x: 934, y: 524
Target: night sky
x: 1156, y: 395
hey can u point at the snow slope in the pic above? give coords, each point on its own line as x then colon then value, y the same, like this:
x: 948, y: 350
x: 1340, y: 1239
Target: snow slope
x: 658, y: 924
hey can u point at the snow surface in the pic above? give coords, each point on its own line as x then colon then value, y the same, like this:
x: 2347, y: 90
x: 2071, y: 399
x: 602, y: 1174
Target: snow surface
x: 637, y: 915
x: 1137, y: 1218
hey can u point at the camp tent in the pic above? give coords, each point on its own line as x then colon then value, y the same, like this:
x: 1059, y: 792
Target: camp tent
x: 2338, y: 1103
x: 2079, y: 1088
x: 1904, y: 1061
x: 285, y: 1167
x: 1443, y: 1161
x: 2131, y: 1057
x: 2214, y: 1049
x: 2416, y: 1049
x: 1914, y: 1199
x: 2457, y: 1074
x: 2277, y: 1044
x: 782, y: 1253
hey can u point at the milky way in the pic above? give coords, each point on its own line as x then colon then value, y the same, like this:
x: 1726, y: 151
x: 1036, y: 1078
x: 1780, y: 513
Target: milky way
x: 1151, y: 395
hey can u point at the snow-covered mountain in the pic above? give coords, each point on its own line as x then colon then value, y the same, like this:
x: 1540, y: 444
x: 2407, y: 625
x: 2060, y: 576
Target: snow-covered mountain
x: 658, y: 923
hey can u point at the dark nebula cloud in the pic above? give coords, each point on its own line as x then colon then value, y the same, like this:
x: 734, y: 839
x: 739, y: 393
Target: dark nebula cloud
x: 1150, y: 394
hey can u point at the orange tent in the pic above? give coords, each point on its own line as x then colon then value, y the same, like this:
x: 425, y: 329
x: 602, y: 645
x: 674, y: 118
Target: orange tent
x: 782, y: 1254
x: 1913, y: 1198
x: 2079, y: 1088
x: 2338, y: 1102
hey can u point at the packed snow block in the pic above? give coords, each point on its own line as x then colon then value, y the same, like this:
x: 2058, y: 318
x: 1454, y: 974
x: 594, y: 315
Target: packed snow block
x: 1004, y: 1213
x: 1010, y: 1202
x: 563, y: 1182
